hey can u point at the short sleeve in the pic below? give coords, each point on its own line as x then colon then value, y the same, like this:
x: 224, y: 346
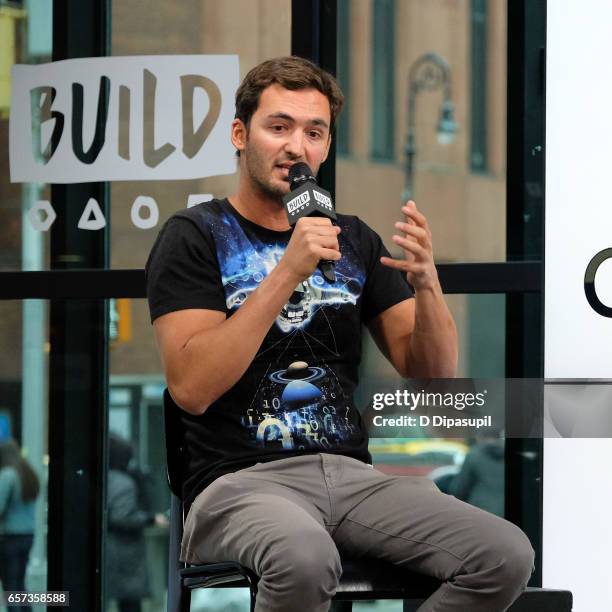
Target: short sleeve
x: 182, y: 270
x: 384, y: 286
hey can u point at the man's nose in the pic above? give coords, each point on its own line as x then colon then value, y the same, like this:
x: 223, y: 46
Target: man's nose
x: 295, y: 143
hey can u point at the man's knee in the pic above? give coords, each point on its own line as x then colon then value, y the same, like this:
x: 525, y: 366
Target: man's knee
x: 510, y: 557
x: 309, y: 564
x: 320, y: 565
x: 519, y: 557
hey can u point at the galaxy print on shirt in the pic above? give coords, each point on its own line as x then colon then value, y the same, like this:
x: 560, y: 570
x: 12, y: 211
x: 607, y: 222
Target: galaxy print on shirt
x: 298, y: 403
x: 300, y: 407
x: 245, y: 261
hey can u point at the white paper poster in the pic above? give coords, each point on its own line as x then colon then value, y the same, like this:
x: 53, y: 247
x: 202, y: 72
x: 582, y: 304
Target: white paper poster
x: 153, y: 118
x: 578, y: 318
x: 577, y: 495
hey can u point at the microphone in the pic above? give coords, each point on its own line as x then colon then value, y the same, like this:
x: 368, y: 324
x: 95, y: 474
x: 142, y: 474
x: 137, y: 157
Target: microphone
x: 307, y: 199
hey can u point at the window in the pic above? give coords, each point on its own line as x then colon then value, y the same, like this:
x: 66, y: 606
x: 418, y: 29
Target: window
x: 478, y: 107
x: 343, y: 131
x: 383, y: 80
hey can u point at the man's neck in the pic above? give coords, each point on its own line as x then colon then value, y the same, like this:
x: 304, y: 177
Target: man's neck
x: 260, y: 209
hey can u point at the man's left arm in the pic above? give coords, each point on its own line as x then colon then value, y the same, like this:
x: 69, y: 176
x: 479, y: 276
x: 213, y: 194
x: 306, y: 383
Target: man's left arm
x: 417, y: 335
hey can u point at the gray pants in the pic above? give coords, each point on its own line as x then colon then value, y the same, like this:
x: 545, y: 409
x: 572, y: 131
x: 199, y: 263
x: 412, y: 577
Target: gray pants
x: 289, y: 521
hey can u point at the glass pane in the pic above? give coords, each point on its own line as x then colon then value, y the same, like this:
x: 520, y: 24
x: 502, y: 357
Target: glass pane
x: 25, y: 38
x: 24, y: 340
x: 433, y: 130
x: 481, y: 321
x: 253, y: 30
x: 481, y: 324
x: 138, y: 498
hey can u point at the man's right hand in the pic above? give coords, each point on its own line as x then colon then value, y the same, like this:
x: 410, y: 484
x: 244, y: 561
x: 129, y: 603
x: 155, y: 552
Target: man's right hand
x: 313, y: 239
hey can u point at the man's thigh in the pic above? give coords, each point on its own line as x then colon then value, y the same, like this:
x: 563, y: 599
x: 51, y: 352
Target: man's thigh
x: 408, y: 521
x: 241, y: 518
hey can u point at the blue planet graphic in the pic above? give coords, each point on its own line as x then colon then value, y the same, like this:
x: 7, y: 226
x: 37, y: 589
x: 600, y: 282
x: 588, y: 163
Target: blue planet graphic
x: 300, y: 393
x: 299, y: 390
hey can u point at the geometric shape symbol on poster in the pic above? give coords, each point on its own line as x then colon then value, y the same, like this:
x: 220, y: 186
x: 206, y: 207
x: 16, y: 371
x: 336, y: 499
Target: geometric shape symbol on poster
x: 42, y: 215
x: 92, y: 217
x: 151, y: 205
x: 198, y: 198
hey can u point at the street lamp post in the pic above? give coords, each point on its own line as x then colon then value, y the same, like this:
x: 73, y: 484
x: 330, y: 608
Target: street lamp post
x: 428, y: 73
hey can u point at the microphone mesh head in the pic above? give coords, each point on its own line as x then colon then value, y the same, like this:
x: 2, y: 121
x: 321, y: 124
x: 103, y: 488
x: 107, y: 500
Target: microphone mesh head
x: 300, y: 172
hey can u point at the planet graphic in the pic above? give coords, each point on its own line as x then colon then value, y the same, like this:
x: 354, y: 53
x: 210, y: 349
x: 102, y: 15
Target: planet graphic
x: 300, y: 393
x: 297, y: 370
x: 299, y: 390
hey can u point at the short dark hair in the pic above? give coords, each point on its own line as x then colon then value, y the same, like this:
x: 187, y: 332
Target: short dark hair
x: 290, y: 72
x: 120, y: 453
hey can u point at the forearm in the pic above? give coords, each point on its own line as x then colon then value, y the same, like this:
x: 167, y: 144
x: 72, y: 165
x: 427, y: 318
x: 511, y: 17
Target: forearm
x: 433, y: 346
x: 213, y: 360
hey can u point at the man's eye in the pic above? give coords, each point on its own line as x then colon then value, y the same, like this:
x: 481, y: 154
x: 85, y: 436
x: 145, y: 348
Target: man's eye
x: 278, y: 128
x: 314, y: 134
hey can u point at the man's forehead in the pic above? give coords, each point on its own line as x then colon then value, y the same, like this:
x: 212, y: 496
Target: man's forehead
x: 300, y: 104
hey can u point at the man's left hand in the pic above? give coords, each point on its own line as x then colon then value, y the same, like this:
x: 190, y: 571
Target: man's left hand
x: 415, y: 241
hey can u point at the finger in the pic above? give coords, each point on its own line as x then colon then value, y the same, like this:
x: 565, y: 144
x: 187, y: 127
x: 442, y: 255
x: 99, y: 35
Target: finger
x: 401, y: 264
x: 329, y: 242
x: 413, y: 215
x: 328, y: 254
x: 410, y: 245
x: 318, y: 229
x: 324, y: 230
x: 311, y: 221
x: 413, y: 231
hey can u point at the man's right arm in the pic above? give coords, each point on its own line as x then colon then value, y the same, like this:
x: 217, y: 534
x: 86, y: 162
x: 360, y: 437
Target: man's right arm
x: 204, y: 353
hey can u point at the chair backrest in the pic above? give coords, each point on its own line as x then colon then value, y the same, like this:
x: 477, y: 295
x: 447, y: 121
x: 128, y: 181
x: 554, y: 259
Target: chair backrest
x: 174, y: 438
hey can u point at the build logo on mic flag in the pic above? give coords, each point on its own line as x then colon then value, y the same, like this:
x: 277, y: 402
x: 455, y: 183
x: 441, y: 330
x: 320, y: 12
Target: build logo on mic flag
x: 306, y: 200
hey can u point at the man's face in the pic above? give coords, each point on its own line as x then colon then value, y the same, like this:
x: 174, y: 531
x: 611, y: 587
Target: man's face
x: 287, y: 127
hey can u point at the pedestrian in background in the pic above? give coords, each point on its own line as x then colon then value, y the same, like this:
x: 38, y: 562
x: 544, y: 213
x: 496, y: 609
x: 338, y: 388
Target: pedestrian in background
x: 19, y: 488
x: 129, y: 512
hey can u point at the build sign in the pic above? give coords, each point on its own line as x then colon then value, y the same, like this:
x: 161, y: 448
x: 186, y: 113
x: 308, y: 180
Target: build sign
x: 123, y: 118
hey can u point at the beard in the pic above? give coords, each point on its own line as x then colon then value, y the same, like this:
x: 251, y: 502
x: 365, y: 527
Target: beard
x: 260, y: 172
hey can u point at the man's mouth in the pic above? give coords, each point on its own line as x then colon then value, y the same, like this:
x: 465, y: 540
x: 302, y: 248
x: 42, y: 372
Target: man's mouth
x: 284, y: 168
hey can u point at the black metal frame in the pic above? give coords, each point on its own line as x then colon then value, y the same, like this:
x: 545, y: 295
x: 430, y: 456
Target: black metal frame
x: 495, y: 277
x: 78, y: 361
x: 313, y: 36
x: 78, y: 317
x: 525, y: 240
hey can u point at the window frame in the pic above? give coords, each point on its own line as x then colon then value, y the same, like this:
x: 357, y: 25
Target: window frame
x: 78, y: 296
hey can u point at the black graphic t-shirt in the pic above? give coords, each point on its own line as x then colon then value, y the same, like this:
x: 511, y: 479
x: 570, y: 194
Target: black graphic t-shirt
x: 297, y: 395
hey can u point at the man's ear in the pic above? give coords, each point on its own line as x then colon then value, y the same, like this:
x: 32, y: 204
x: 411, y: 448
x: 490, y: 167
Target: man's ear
x: 239, y: 134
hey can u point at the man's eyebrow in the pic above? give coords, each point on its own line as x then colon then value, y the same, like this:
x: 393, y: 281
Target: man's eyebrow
x: 286, y: 117
x: 320, y: 122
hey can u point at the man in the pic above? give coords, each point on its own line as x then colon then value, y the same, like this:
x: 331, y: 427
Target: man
x: 261, y: 352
